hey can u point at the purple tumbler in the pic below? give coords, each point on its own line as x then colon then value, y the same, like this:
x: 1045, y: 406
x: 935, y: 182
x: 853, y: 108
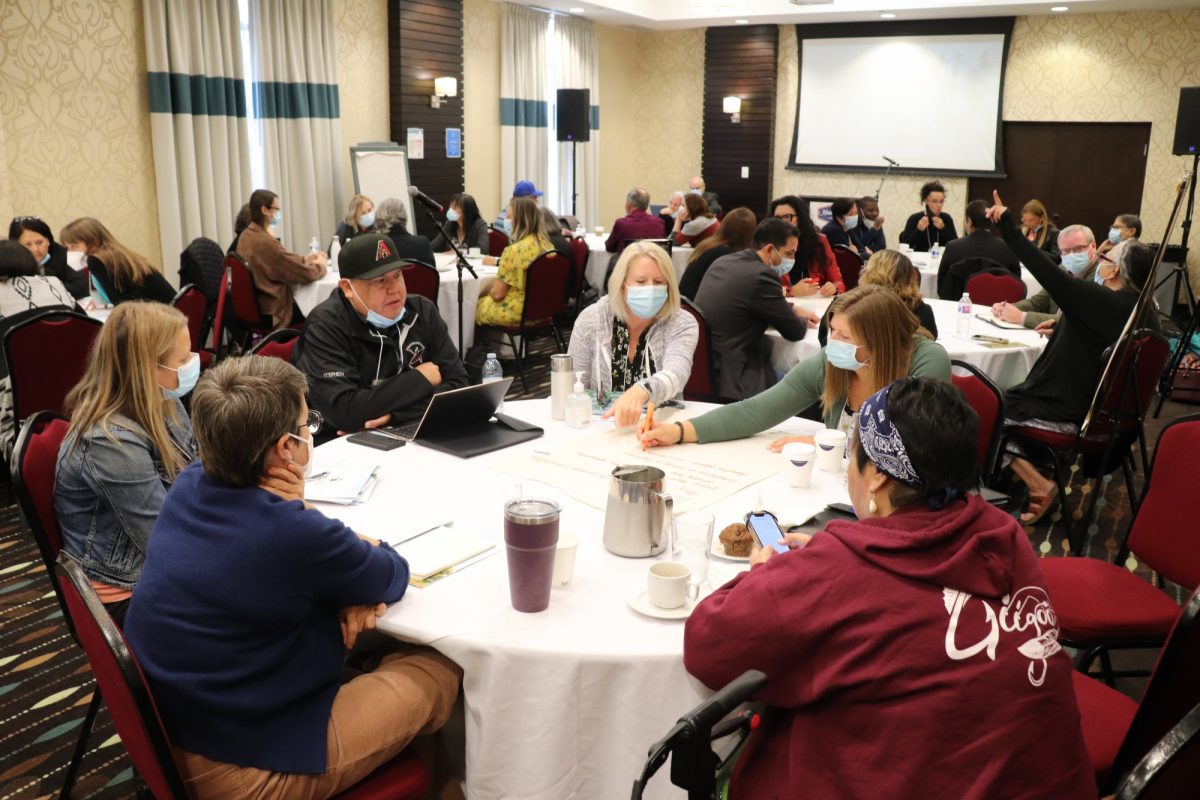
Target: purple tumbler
x: 530, y: 536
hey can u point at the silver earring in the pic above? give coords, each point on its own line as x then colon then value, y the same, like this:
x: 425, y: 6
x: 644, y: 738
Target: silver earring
x: 871, y: 506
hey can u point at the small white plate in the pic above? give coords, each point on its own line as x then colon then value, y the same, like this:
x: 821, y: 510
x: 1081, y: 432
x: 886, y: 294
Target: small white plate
x: 640, y: 603
x: 718, y: 550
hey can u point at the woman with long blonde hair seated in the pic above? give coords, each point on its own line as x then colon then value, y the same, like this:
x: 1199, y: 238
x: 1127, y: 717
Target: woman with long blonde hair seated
x: 895, y: 272
x: 873, y: 340
x: 505, y: 298
x: 117, y: 272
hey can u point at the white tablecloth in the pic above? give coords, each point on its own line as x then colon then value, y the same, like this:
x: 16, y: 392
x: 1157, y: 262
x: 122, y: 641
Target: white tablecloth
x: 929, y: 276
x: 563, y: 703
x: 1006, y: 366
x: 309, y: 295
x: 597, y: 266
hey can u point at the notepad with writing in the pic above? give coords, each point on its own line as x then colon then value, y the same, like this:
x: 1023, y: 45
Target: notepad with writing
x: 439, y: 550
x: 999, y: 323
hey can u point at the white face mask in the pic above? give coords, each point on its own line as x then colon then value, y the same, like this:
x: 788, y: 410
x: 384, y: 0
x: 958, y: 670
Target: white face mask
x: 308, y: 465
x: 76, y: 259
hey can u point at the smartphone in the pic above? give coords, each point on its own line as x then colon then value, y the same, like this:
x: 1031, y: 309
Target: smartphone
x: 376, y: 440
x: 842, y: 508
x: 766, y: 530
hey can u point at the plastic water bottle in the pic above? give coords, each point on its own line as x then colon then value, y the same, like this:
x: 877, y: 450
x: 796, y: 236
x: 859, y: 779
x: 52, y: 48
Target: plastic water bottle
x: 964, y: 315
x: 935, y: 254
x: 314, y: 246
x: 493, y: 372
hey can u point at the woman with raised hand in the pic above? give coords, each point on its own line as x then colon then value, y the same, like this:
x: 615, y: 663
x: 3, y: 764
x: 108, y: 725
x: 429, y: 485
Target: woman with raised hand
x: 118, y: 273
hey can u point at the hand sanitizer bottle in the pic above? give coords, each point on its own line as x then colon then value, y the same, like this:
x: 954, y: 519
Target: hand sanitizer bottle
x: 579, y: 405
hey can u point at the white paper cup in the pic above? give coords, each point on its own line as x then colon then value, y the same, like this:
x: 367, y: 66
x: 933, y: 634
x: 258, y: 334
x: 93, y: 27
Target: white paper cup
x: 831, y: 446
x: 564, y: 558
x: 668, y: 584
x: 474, y: 252
x: 905, y: 248
x: 799, y: 458
x: 599, y: 230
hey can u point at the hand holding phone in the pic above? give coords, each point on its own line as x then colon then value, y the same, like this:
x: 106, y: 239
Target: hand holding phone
x: 765, y: 528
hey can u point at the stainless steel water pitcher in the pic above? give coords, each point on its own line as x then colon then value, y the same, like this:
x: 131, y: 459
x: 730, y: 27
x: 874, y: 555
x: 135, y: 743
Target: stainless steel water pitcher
x: 637, y: 521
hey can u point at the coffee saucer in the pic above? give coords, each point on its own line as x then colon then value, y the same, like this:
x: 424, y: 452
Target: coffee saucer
x: 639, y: 601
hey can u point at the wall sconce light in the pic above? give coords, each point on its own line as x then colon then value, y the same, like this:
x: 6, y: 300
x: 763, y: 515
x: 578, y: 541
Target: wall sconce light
x: 443, y: 87
x: 733, y: 106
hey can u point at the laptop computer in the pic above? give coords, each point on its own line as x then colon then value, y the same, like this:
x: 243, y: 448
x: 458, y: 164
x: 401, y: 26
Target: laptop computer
x: 460, y: 422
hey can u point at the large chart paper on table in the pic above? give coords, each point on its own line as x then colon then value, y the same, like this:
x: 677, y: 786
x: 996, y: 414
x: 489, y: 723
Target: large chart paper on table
x: 696, y: 476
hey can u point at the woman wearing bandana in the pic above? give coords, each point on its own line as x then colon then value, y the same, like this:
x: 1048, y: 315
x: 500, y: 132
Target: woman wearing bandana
x: 873, y: 340
x: 912, y: 652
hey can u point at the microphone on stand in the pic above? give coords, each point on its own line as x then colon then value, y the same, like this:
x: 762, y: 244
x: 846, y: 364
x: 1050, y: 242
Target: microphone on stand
x: 890, y: 161
x: 426, y: 200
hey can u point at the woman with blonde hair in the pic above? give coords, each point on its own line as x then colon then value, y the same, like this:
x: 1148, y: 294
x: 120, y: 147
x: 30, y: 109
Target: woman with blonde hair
x: 117, y: 273
x: 895, y: 272
x: 360, y: 218
x: 504, y: 300
x: 128, y: 439
x: 1037, y: 227
x: 635, y: 343
x: 874, y: 339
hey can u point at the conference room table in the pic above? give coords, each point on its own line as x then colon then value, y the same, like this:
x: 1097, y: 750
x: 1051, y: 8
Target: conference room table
x: 929, y: 277
x: 597, y: 266
x: 309, y: 295
x: 1006, y: 366
x: 566, y: 702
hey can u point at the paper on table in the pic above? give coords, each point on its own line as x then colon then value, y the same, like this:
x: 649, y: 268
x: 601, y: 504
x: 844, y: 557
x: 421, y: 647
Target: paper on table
x: 343, y: 484
x: 999, y: 323
x: 439, y: 550
x: 696, y: 476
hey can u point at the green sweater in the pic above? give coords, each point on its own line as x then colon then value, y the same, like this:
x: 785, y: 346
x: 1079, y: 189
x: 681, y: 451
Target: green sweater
x: 798, y: 390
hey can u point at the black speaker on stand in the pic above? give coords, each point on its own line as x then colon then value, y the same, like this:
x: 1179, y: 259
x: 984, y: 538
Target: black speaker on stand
x: 574, y: 124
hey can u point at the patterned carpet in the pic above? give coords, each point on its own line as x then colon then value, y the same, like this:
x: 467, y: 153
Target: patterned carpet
x: 45, y: 683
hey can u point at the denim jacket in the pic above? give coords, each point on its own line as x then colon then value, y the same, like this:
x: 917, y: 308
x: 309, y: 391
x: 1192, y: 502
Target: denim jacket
x: 107, y: 495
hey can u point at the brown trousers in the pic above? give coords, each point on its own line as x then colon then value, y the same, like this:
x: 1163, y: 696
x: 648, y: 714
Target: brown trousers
x: 374, y: 717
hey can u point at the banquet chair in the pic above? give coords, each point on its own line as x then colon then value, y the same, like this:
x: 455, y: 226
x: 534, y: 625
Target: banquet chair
x: 218, y: 327
x: 702, y: 383
x: 1172, y: 767
x: 135, y: 715
x: 665, y: 244
x: 422, y: 279
x: 849, y: 264
x: 989, y: 288
x: 580, y: 253
x: 1117, y: 731
x: 278, y: 344
x: 192, y: 303
x: 35, y: 459
x: 248, y: 322
x: 545, y: 298
x: 1118, y: 413
x: 202, y: 264
x: 988, y: 402
x: 497, y: 241
x: 1102, y: 606
x: 952, y: 280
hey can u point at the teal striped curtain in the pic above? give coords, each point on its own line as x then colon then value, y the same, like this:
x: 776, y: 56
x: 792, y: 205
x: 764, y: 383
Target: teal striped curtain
x: 524, y: 110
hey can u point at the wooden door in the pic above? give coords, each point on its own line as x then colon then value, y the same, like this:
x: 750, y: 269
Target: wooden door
x: 1084, y: 172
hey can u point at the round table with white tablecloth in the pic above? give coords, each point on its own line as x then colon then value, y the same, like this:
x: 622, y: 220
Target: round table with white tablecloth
x: 309, y: 295
x: 599, y: 258
x: 1006, y: 366
x: 929, y: 277
x: 566, y: 702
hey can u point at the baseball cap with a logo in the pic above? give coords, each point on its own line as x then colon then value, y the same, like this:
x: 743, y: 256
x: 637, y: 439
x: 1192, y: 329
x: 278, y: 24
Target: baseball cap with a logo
x: 370, y: 255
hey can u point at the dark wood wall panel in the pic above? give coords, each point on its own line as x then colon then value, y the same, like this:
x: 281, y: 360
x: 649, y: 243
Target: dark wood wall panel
x: 740, y: 60
x: 425, y: 41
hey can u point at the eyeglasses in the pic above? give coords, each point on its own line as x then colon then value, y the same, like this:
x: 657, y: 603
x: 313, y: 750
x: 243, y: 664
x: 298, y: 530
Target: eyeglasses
x: 786, y: 217
x: 314, y: 422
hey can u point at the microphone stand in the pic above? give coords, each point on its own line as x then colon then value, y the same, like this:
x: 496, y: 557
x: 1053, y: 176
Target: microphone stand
x: 461, y: 263
x: 886, y: 172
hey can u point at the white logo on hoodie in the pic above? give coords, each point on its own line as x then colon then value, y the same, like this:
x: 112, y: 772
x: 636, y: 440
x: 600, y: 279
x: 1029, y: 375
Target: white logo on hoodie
x: 1027, y: 610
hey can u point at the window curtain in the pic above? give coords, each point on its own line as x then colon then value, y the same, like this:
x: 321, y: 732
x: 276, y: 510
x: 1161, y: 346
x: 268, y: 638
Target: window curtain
x: 296, y: 102
x: 524, y: 112
x: 577, y: 62
x: 197, y: 119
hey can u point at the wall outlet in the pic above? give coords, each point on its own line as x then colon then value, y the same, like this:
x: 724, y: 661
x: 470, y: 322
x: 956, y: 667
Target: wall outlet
x: 745, y: 172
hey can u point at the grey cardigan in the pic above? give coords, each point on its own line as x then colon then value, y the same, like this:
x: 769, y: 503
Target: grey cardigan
x: 671, y: 342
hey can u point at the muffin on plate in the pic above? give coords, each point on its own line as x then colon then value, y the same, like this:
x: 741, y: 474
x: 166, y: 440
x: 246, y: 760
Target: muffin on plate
x: 737, y: 540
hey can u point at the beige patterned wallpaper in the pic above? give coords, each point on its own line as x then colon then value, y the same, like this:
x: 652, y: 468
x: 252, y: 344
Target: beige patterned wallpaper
x: 362, y: 58
x: 1090, y: 67
x: 481, y: 104
x: 74, y: 113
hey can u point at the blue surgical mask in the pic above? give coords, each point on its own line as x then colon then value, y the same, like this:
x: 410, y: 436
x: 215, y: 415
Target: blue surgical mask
x: 44, y: 261
x: 697, y: 191
x: 374, y: 317
x: 785, y: 266
x: 1076, y: 263
x: 1098, y: 278
x: 506, y: 226
x: 850, y: 223
x: 366, y: 220
x: 451, y: 215
x: 1114, y: 235
x: 645, y: 301
x: 843, y: 355
x: 188, y: 374
x: 277, y: 219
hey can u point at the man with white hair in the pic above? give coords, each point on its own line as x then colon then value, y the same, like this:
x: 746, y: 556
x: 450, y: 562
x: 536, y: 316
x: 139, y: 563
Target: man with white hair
x: 636, y: 224
x: 696, y: 186
x: 1079, y: 257
x: 670, y: 211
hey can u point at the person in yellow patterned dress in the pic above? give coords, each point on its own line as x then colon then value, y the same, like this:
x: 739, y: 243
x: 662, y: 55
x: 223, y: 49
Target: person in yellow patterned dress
x: 505, y: 298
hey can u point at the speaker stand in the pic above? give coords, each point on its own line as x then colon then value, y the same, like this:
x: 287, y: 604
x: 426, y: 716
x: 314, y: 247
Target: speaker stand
x: 575, y: 184
x: 1166, y: 383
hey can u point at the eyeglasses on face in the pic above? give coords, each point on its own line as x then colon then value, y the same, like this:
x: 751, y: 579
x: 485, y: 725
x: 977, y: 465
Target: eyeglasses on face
x: 314, y: 422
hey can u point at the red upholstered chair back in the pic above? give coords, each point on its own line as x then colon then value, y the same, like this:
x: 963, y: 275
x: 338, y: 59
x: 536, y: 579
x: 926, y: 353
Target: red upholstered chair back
x: 33, y: 465
x: 497, y: 241
x: 849, y: 264
x: 985, y: 397
x: 194, y: 305
x: 702, y: 383
x: 218, y: 333
x: 279, y: 344
x: 1172, y: 692
x: 546, y: 287
x: 1136, y: 367
x: 121, y: 683
x: 241, y: 292
x: 987, y: 288
x: 580, y: 253
x: 422, y: 279
x: 51, y: 337
x: 1164, y: 533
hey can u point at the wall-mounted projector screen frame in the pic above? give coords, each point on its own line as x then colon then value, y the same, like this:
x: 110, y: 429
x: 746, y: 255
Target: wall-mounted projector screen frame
x: 923, y: 110
x: 381, y: 171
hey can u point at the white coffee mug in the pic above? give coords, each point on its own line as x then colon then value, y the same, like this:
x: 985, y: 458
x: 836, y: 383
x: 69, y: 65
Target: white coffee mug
x: 474, y: 252
x: 831, y: 446
x: 668, y: 584
x: 564, y: 558
x: 799, y: 458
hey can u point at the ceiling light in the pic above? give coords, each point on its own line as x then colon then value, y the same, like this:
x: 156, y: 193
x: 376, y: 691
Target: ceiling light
x: 741, y: 22
x: 887, y: 15
x: 1058, y: 9
x: 576, y: 10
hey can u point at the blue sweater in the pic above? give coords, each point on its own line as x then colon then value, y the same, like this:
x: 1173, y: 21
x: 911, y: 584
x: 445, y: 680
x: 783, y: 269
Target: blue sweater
x: 235, y: 621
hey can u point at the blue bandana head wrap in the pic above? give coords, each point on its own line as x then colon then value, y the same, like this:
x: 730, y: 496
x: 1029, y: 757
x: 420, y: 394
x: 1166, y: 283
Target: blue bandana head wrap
x: 883, y: 445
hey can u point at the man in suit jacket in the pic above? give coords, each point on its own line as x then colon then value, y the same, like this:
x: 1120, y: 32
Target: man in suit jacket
x: 697, y: 186
x: 978, y: 243
x: 741, y: 296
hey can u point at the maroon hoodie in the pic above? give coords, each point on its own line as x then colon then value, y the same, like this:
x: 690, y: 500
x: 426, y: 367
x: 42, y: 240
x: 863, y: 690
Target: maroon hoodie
x: 908, y: 656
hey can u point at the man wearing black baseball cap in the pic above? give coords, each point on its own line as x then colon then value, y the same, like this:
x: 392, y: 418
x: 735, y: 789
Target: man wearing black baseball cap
x: 374, y: 354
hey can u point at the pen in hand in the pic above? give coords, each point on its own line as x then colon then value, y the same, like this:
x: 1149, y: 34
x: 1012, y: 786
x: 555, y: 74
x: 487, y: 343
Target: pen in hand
x: 649, y: 420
